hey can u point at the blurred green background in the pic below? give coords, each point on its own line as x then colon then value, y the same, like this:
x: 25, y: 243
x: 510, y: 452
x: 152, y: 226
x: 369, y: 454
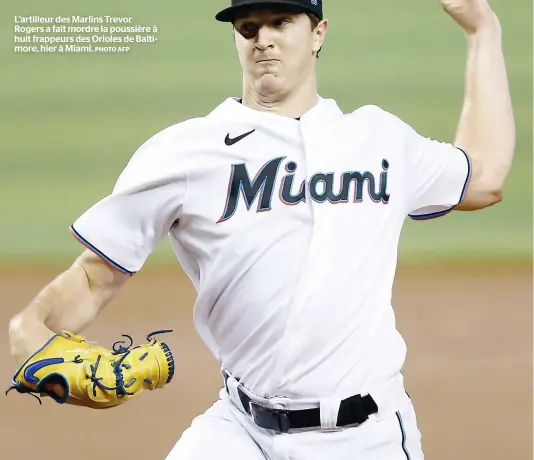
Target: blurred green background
x: 70, y: 122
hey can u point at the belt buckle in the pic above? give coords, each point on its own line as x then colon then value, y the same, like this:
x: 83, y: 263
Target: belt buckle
x: 271, y: 419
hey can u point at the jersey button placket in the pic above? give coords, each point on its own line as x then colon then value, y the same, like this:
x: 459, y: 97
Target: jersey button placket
x: 290, y: 344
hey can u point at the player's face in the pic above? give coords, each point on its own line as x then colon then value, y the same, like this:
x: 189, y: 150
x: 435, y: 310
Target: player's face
x: 276, y: 49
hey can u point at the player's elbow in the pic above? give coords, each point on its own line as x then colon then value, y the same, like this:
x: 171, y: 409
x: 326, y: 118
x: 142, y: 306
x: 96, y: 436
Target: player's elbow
x: 490, y: 189
x: 496, y: 196
x: 491, y: 198
x: 485, y: 187
x: 480, y: 197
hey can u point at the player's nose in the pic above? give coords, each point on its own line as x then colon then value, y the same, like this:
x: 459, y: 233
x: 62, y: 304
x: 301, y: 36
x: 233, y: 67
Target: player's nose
x: 264, y: 39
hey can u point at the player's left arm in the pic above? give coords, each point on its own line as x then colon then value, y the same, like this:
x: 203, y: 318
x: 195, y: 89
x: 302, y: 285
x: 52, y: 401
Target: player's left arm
x: 486, y: 129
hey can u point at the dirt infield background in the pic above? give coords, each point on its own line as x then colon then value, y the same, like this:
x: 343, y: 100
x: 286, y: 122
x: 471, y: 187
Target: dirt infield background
x: 469, y: 368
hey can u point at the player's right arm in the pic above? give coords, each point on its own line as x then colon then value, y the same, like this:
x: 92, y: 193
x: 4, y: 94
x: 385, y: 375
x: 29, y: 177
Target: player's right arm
x: 71, y: 301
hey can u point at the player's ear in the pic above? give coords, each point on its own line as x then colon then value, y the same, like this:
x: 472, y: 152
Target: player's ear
x: 234, y: 33
x: 319, y: 35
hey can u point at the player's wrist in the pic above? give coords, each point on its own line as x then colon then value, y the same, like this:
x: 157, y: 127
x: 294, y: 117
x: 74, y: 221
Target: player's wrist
x: 27, y: 333
x: 488, y: 26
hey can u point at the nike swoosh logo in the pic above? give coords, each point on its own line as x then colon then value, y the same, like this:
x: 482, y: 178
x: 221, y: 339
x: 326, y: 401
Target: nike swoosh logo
x: 29, y: 372
x: 231, y: 141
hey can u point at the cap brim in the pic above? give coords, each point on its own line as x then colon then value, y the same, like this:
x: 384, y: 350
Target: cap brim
x: 228, y: 14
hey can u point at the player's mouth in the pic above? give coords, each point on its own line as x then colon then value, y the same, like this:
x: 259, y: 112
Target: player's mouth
x: 264, y: 61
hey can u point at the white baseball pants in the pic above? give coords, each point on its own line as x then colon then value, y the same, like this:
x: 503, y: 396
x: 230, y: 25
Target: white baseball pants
x: 226, y: 432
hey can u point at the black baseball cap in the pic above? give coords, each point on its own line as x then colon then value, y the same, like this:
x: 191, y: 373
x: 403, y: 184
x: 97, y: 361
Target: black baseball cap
x: 310, y: 6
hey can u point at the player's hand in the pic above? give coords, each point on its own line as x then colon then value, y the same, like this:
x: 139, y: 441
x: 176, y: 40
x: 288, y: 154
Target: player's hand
x: 471, y: 15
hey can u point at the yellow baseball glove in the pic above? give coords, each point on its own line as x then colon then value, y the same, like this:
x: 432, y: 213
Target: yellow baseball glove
x: 94, y: 376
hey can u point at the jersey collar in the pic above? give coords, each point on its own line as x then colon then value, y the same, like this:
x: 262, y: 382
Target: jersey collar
x: 231, y: 108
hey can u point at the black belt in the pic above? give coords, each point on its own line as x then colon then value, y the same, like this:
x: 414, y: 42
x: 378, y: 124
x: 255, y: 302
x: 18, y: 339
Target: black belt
x: 352, y: 411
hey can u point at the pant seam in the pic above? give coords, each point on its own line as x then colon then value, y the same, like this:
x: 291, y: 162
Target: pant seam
x: 403, y: 433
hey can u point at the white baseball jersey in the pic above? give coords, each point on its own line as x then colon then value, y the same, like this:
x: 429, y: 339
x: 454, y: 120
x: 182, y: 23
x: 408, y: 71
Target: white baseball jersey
x: 288, y: 230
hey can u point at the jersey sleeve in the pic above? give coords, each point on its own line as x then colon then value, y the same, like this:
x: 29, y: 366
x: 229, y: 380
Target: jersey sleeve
x: 125, y: 227
x: 436, y: 174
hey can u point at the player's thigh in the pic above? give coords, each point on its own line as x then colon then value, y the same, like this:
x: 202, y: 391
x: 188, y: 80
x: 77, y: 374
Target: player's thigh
x: 216, y: 434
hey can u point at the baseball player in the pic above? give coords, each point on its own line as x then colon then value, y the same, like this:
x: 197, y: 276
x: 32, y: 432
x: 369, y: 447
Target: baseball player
x: 285, y: 213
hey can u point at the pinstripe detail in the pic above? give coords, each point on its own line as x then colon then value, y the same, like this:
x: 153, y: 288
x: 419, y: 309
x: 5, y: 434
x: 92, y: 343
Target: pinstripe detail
x: 401, y: 426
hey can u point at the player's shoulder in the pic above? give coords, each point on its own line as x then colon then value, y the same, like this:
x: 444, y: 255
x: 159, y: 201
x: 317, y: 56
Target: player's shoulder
x: 179, y: 135
x: 175, y: 140
x: 379, y: 117
x: 369, y: 111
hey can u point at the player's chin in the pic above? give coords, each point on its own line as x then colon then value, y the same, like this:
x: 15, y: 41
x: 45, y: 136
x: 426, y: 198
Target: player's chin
x: 270, y: 82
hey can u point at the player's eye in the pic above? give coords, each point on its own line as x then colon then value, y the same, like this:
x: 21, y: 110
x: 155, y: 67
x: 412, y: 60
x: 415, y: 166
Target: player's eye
x: 248, y: 30
x: 280, y: 22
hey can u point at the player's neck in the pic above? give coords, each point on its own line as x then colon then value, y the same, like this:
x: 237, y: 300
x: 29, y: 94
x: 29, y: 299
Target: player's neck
x: 293, y: 104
